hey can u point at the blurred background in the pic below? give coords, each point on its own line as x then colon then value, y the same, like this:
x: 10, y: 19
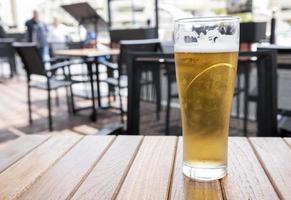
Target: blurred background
x: 139, y: 14
x: 101, y: 25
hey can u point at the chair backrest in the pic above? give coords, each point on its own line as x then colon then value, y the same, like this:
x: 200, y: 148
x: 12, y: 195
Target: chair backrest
x: 283, y: 55
x: 17, y: 37
x: 267, y: 105
x: 139, y: 63
x: 252, y: 32
x: 75, y: 45
x: 130, y: 46
x: 267, y: 88
x: 116, y: 35
x: 6, y: 48
x: 31, y: 58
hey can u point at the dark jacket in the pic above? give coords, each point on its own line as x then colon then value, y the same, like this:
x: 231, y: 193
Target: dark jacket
x: 37, y: 32
x: 2, y: 32
x: 30, y: 29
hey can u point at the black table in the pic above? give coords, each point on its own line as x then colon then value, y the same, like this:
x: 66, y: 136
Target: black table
x: 90, y: 56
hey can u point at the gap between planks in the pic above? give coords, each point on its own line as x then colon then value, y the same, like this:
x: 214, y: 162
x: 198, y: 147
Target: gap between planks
x: 19, y: 180
x: 103, y: 184
x: 91, y: 168
x: 15, y: 154
x: 125, y: 175
x: 265, y: 168
x: 69, y: 180
x: 184, y: 188
x: 288, y: 141
x: 173, y: 167
x: 145, y: 179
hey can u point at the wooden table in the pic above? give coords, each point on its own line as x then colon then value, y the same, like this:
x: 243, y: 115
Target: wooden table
x: 86, y: 54
x: 135, y: 167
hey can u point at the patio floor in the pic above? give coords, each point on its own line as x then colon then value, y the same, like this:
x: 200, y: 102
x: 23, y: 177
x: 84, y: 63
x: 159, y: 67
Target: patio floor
x: 14, y: 116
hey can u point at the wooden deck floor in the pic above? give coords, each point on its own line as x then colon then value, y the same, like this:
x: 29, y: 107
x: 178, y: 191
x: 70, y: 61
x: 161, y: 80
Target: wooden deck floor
x: 14, y: 115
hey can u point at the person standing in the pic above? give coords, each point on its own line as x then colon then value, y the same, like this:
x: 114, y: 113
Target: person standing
x: 37, y: 32
x: 2, y: 29
x: 57, y: 36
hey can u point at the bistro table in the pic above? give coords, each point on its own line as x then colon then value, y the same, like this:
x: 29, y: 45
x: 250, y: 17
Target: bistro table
x: 87, y: 55
x: 71, y: 166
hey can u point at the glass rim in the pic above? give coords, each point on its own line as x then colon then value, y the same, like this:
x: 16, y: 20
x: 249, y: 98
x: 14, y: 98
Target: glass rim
x: 207, y: 19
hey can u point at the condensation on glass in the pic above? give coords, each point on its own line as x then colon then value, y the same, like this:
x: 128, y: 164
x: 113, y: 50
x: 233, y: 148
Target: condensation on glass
x: 206, y: 51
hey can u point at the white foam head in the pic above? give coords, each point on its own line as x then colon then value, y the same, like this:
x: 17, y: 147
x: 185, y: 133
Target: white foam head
x: 206, y: 37
x: 223, y: 43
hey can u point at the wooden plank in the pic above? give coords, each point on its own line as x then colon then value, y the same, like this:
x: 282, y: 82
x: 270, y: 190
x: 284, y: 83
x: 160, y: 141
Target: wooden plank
x: 184, y: 188
x: 14, y: 150
x: 20, y: 176
x: 60, y: 181
x: 150, y: 174
x: 275, y: 157
x: 107, y: 176
x: 288, y: 141
x: 246, y: 178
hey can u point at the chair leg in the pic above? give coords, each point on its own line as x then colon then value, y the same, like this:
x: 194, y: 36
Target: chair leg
x: 246, y: 113
x: 121, y: 107
x: 57, y: 98
x: 72, y: 100
x: 68, y: 100
x: 156, y: 81
x: 168, y: 109
x: 49, y: 110
x: 29, y: 103
x: 11, y: 68
x: 147, y: 86
x: 238, y: 97
x: 246, y: 102
x: 109, y: 95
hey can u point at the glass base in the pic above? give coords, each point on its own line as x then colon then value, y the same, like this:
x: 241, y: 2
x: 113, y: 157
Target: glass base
x: 205, y: 173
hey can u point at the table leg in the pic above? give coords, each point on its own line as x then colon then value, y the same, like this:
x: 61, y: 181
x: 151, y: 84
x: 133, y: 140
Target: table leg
x: 133, y: 99
x: 90, y: 71
x: 98, y: 85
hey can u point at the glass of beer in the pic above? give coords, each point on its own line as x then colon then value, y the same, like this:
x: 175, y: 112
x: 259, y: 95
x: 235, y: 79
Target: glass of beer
x: 206, y: 53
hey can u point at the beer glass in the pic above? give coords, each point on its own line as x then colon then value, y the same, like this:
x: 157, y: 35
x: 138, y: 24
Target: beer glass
x: 206, y: 53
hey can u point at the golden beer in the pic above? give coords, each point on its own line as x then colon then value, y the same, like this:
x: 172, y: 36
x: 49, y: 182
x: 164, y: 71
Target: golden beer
x: 205, y: 84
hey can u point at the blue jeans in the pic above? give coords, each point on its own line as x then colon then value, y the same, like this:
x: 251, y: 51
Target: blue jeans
x: 43, y: 51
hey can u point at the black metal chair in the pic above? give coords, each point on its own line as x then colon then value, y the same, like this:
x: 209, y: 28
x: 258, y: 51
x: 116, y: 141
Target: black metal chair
x: 171, y: 80
x: 7, y: 54
x: 116, y: 35
x: 283, y: 62
x: 138, y: 63
x: 34, y: 65
x: 245, y: 66
x: 267, y: 90
x: 120, y: 81
x: 243, y: 70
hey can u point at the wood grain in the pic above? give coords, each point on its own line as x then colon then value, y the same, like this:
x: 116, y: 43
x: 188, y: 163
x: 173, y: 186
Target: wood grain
x: 150, y: 174
x: 288, y: 141
x: 22, y: 174
x: 275, y: 157
x: 14, y: 150
x: 107, y: 176
x: 61, y: 180
x: 246, y: 179
x: 184, y: 188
